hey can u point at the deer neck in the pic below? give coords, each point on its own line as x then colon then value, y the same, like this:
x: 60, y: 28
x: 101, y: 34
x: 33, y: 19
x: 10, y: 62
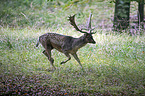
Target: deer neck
x: 79, y: 42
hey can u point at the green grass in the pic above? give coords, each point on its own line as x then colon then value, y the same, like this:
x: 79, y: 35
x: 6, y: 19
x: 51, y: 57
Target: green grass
x: 113, y: 66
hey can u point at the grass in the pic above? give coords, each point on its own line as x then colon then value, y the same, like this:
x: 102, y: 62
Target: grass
x: 114, y: 66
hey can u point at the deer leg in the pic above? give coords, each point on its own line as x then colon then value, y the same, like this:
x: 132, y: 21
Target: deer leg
x: 78, y: 60
x: 44, y: 52
x: 48, y: 55
x: 67, y: 55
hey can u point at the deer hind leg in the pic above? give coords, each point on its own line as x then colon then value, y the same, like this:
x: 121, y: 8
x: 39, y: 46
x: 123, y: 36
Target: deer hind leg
x: 48, y: 55
x: 67, y: 55
x: 45, y: 53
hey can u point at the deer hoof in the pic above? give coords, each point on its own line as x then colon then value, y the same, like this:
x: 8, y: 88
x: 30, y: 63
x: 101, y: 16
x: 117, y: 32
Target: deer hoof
x: 62, y: 62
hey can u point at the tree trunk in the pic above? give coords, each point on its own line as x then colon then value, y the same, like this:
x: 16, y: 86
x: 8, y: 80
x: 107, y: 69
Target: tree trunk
x: 141, y: 13
x: 121, y: 15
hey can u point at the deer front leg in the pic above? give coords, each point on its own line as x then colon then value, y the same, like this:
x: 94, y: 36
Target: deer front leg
x: 49, y: 57
x: 78, y: 60
x: 67, y: 55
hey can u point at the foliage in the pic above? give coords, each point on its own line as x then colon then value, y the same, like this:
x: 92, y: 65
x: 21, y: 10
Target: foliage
x: 38, y: 13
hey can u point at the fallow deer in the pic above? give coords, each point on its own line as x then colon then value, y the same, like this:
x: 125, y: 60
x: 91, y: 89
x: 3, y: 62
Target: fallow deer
x: 66, y: 44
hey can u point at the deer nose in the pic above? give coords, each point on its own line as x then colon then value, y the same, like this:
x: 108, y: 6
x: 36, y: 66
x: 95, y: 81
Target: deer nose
x: 93, y: 42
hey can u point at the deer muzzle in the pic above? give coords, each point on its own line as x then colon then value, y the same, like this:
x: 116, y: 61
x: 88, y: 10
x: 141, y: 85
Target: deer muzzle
x: 94, y: 42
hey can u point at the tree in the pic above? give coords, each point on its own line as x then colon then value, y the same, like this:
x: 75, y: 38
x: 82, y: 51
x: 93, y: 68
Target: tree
x: 121, y: 16
x: 141, y: 13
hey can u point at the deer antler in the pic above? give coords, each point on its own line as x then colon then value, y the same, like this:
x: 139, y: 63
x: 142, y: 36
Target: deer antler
x: 89, y: 22
x: 72, y: 22
x: 89, y: 25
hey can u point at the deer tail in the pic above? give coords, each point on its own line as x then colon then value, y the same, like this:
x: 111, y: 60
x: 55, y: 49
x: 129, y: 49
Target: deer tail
x: 37, y: 43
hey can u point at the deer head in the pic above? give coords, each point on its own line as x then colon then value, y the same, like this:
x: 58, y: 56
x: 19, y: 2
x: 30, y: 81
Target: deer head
x: 88, y: 33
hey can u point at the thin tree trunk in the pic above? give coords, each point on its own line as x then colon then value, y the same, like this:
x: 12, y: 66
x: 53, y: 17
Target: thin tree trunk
x: 141, y: 13
x: 121, y: 15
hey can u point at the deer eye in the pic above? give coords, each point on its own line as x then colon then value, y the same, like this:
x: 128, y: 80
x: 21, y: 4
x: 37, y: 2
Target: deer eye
x: 89, y: 36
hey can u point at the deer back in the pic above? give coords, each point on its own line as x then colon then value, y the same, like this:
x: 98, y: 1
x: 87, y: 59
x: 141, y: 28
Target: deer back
x: 57, y: 41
